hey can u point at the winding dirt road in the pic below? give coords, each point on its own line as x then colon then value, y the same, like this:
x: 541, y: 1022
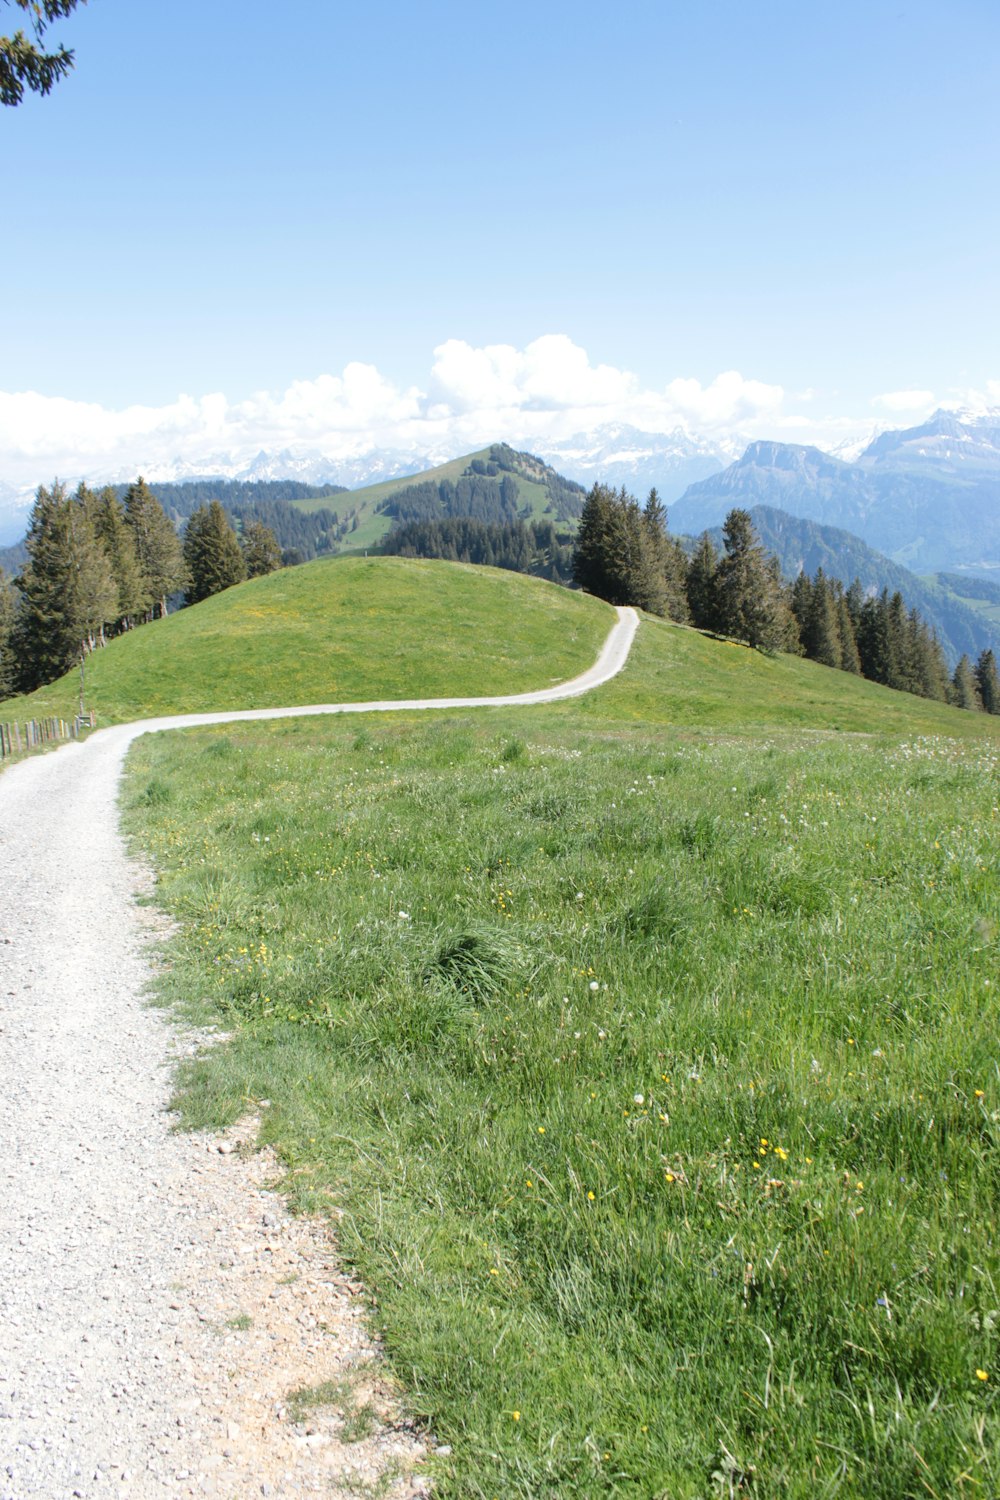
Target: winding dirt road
x: 157, y: 1305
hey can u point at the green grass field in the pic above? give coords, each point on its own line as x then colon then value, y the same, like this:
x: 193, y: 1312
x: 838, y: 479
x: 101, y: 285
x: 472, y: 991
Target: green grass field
x: 645, y: 1048
x: 339, y: 630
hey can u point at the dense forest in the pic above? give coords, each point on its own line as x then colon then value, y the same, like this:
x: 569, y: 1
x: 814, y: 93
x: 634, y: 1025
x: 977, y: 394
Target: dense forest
x: 521, y: 547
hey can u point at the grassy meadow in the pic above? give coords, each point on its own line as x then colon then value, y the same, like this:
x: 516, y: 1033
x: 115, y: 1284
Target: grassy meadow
x: 339, y: 630
x: 644, y: 1050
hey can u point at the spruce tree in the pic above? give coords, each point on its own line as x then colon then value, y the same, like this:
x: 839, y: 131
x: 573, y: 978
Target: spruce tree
x: 750, y: 606
x: 593, y: 541
x: 822, y: 634
x: 850, y: 661
x: 211, y: 553
x: 8, y: 615
x: 800, y: 604
x: 93, y: 601
x: 963, y: 686
x: 46, y: 640
x: 988, y: 682
x: 261, y: 552
x: 118, y: 541
x: 668, y: 560
x: 157, y: 547
x: 702, y: 584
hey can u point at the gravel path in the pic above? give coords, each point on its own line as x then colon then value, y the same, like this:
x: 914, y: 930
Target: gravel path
x: 157, y: 1304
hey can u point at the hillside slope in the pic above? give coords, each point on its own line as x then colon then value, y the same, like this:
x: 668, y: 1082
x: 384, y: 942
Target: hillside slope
x: 340, y: 630
x: 536, y: 491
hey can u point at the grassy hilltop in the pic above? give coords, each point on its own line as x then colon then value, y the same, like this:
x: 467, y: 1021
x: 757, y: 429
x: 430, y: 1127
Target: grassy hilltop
x: 644, y: 1047
x: 339, y: 630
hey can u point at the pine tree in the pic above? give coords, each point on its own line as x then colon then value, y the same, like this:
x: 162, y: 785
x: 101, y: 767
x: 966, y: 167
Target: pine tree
x: 988, y: 682
x: 118, y: 541
x: 46, y: 642
x: 211, y: 553
x: 873, y: 639
x: 591, y: 551
x: 963, y: 686
x: 927, y: 663
x: 702, y: 585
x: 750, y: 605
x: 157, y: 547
x: 668, y: 559
x: 641, y: 579
x: 93, y: 600
x: 822, y: 634
x: 261, y: 553
x: 850, y: 661
x: 800, y: 604
x: 8, y: 615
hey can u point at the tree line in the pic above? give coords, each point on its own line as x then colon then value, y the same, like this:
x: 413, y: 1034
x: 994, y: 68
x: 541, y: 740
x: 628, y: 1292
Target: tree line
x: 99, y: 565
x: 539, y: 548
x: 624, y: 554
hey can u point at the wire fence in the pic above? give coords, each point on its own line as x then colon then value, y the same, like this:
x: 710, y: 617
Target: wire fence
x: 18, y: 739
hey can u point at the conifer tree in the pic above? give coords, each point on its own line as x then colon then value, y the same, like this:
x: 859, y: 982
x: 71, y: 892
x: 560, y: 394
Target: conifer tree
x: 615, y: 556
x: 668, y: 560
x: 850, y: 661
x: 800, y: 604
x: 261, y: 552
x: 157, y: 547
x: 963, y: 686
x: 927, y: 664
x: 821, y: 637
x: 593, y: 541
x: 988, y: 682
x: 702, y: 584
x: 118, y: 541
x: 750, y: 606
x: 8, y: 615
x: 93, y: 600
x: 211, y: 553
x: 46, y: 643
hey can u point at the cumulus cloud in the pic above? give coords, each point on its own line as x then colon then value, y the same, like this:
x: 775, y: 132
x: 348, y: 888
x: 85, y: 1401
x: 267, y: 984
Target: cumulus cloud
x: 906, y: 402
x: 547, y: 391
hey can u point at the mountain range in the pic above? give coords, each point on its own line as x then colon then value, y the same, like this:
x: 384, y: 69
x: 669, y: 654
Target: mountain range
x: 928, y: 496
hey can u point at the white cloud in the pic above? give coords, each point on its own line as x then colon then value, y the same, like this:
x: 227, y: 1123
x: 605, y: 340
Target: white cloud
x: 907, y: 402
x: 547, y: 391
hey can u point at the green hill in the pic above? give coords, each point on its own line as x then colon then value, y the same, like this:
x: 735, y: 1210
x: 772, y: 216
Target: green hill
x: 538, y: 493
x: 339, y: 629
x: 640, y: 1047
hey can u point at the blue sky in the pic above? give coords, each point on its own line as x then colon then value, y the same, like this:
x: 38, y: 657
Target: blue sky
x: 240, y: 201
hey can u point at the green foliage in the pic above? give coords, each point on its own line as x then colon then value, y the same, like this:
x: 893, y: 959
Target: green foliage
x: 988, y: 682
x: 622, y: 554
x: 23, y: 63
x: 68, y: 589
x: 261, y: 552
x: 964, y: 690
x: 116, y: 537
x: 158, y: 549
x: 8, y: 614
x: 212, y: 554
x: 749, y: 603
x: 538, y: 549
